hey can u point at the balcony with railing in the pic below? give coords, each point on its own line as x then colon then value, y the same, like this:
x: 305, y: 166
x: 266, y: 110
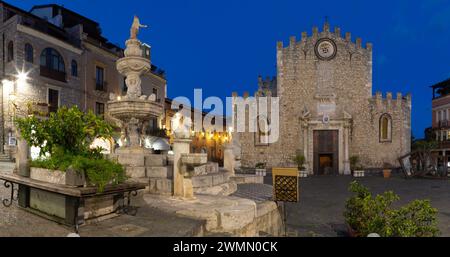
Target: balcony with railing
x: 52, y: 74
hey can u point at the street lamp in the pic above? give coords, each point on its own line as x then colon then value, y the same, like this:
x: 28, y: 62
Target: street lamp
x: 22, y: 77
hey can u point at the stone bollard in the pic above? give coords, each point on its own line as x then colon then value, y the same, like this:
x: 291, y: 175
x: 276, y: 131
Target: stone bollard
x: 228, y: 158
x: 180, y: 146
x: 22, y: 162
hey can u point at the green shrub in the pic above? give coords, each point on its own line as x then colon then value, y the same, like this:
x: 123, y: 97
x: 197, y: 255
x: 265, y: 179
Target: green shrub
x: 66, y: 137
x: 367, y: 214
x: 68, y: 129
x: 99, y: 171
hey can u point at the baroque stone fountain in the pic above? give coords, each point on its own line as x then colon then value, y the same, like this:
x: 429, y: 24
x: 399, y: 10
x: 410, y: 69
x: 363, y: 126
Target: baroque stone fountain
x: 133, y: 109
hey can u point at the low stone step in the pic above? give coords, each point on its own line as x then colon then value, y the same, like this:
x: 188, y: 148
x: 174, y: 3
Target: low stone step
x: 211, y: 179
x: 224, y: 189
x: 162, y: 186
x: 135, y: 172
x: 248, y: 179
x: 155, y: 160
x: 159, y: 172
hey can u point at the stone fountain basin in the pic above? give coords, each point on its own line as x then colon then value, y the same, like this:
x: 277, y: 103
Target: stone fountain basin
x: 194, y: 159
x: 126, y: 65
x: 137, y: 108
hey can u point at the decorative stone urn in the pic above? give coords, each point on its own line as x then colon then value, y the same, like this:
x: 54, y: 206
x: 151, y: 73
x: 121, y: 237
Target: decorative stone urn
x: 133, y: 109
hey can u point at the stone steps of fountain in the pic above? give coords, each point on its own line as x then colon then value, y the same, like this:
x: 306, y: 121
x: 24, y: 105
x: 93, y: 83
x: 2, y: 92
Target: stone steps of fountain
x: 159, y: 172
x: 162, y: 186
x: 155, y: 160
x: 149, y: 172
x: 224, y: 189
x: 211, y: 179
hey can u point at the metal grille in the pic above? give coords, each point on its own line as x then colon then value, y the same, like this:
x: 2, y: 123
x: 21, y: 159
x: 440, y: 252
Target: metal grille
x: 286, y: 188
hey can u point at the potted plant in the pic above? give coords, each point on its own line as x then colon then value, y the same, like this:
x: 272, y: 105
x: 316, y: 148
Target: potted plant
x: 356, y: 168
x: 260, y: 169
x: 299, y: 159
x: 387, y: 169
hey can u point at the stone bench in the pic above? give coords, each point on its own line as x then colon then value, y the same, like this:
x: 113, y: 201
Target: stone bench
x: 69, y: 205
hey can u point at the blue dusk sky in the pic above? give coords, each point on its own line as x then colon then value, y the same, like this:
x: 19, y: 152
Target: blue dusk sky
x: 222, y: 46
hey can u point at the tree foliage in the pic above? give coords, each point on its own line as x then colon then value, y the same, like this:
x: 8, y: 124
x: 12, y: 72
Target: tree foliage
x: 64, y: 140
x: 68, y: 129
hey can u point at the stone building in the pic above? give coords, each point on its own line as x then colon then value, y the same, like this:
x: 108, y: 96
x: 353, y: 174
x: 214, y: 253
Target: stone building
x: 67, y: 62
x: 327, y: 109
x: 209, y: 142
x: 440, y: 126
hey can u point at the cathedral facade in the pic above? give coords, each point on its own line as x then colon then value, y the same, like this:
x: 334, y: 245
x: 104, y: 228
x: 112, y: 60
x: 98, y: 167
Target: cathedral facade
x: 327, y: 110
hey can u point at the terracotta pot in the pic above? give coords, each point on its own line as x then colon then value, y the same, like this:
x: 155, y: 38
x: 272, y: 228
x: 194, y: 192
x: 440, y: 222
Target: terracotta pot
x: 387, y: 173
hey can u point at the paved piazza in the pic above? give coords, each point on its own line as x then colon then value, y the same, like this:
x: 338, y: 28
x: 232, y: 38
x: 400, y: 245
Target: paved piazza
x: 322, y: 201
x: 319, y: 212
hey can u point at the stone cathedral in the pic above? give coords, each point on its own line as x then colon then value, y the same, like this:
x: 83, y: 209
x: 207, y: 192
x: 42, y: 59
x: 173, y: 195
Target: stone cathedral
x: 327, y: 109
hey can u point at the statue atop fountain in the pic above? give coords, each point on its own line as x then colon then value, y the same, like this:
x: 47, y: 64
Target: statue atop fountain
x: 134, y: 31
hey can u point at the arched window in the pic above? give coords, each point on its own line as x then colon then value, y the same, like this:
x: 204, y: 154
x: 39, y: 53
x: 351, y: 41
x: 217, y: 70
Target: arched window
x: 28, y: 53
x: 10, y: 51
x: 385, y: 128
x: 51, y: 59
x: 52, y: 65
x: 74, y: 67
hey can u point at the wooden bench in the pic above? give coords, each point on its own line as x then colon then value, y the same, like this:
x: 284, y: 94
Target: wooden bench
x: 75, y: 197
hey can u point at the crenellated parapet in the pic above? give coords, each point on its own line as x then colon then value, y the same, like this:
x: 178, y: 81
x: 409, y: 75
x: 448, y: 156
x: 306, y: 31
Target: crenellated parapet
x: 388, y: 102
x: 343, y: 42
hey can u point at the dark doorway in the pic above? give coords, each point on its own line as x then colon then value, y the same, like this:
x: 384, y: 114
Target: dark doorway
x: 326, y: 158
